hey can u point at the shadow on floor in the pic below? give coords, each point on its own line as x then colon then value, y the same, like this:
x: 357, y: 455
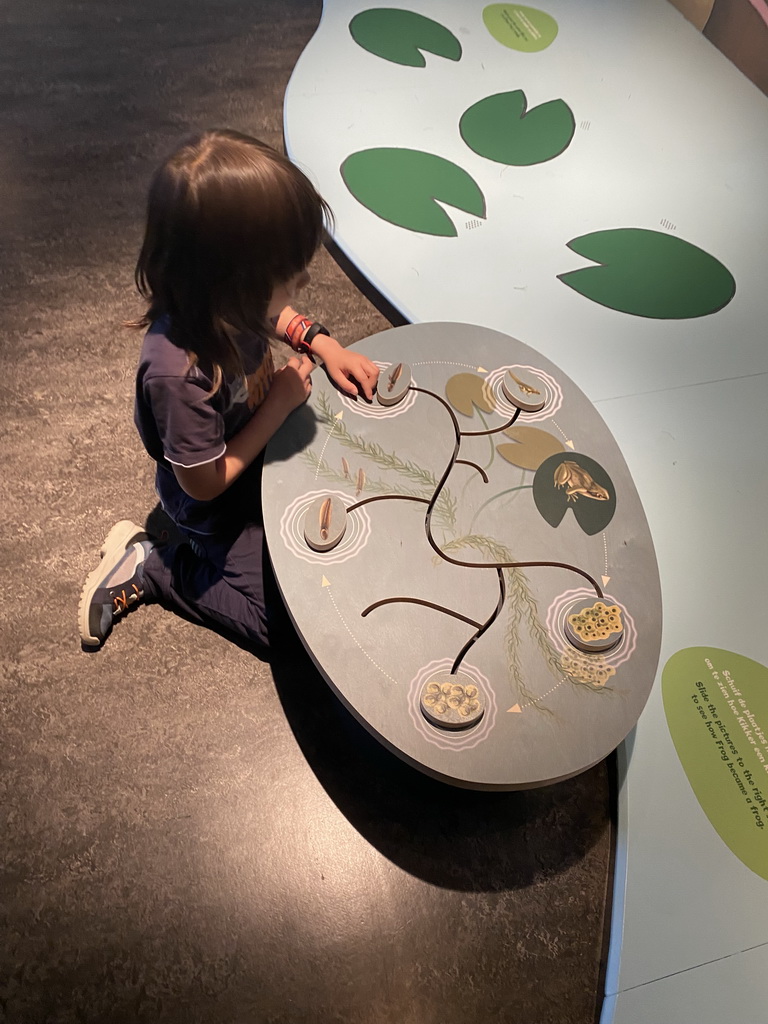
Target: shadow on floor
x: 454, y: 838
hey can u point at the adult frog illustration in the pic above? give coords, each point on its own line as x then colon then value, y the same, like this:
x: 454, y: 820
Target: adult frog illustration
x: 577, y: 482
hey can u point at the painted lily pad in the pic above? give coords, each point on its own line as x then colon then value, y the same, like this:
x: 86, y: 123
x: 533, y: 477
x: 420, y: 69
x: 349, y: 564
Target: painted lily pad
x: 501, y: 128
x: 520, y: 28
x: 466, y: 390
x: 402, y: 185
x: 716, y: 703
x: 650, y: 273
x: 571, y: 480
x: 532, y: 446
x: 401, y: 36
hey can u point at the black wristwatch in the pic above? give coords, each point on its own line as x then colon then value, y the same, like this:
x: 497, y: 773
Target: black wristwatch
x: 312, y: 333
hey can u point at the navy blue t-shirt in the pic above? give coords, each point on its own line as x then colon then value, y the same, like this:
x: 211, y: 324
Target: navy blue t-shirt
x: 181, y: 423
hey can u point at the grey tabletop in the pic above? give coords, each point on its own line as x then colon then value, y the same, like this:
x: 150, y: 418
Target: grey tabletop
x: 397, y: 529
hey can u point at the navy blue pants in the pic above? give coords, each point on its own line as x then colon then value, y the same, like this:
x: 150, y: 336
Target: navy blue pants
x: 217, y: 581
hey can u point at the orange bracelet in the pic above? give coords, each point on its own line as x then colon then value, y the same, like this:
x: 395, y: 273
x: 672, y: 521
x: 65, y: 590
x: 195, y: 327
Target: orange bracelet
x: 296, y: 330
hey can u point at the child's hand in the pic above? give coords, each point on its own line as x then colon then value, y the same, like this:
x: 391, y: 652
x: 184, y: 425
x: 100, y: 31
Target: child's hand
x: 291, y: 386
x: 351, y: 371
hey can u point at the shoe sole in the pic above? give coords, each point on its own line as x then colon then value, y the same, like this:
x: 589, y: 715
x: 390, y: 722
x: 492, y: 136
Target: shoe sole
x: 115, y: 545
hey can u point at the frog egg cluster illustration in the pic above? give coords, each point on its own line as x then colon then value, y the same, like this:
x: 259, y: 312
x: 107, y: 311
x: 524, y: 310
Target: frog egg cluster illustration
x: 595, y: 627
x: 584, y: 669
x: 450, y: 729
x: 597, y: 622
x: 452, y: 702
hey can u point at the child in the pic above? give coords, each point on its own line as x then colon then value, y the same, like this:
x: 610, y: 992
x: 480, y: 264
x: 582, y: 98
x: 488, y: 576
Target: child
x: 231, y: 228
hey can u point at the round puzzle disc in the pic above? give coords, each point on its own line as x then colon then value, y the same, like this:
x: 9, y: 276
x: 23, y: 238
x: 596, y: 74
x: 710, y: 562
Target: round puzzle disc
x: 528, y: 395
x: 593, y: 626
x: 452, y: 701
x: 393, y: 384
x: 325, y: 522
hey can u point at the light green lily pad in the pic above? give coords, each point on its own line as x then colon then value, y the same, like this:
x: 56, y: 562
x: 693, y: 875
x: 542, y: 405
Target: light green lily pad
x: 500, y: 128
x: 531, y: 446
x: 401, y: 36
x: 520, y: 28
x: 465, y: 391
x: 716, y: 703
x: 649, y: 273
x: 402, y: 185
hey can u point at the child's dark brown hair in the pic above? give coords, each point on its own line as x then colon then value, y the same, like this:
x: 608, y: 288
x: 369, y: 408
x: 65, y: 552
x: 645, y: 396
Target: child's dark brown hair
x: 228, y: 219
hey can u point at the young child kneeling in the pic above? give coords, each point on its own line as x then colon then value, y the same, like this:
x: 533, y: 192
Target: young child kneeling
x: 232, y: 226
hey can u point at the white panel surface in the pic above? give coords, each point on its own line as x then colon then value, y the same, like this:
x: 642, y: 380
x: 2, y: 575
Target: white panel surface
x: 669, y: 137
x: 667, y: 130
x: 689, y: 899
x: 732, y: 989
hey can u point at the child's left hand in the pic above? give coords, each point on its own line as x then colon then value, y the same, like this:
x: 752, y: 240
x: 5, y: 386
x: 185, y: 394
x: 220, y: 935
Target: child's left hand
x: 351, y: 371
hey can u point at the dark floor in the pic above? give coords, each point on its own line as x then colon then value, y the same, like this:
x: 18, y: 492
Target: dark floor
x: 188, y: 834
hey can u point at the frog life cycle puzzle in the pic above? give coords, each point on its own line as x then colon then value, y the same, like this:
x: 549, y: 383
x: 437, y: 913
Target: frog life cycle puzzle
x: 466, y: 558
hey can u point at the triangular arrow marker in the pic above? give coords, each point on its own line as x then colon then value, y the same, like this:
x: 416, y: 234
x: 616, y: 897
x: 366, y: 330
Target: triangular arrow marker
x: 326, y: 583
x: 570, y: 444
x: 606, y: 580
x: 515, y: 708
x: 481, y: 369
x: 339, y: 415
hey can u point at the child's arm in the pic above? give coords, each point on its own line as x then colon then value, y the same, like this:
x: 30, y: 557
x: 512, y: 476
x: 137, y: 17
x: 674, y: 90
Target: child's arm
x: 290, y: 388
x: 351, y: 371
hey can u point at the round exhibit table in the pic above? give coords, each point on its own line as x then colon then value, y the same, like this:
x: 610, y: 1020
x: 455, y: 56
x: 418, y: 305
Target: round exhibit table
x: 466, y: 558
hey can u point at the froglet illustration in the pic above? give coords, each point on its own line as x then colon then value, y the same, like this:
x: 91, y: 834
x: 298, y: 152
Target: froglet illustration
x: 577, y: 482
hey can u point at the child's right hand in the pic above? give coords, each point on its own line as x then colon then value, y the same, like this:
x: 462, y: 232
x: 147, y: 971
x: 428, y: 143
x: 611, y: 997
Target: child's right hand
x: 291, y: 386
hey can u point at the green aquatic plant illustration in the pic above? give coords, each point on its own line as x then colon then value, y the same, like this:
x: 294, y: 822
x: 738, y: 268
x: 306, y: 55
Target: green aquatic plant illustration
x: 521, y: 607
x: 400, y: 36
x: 446, y: 508
x: 526, y: 29
x: 402, y: 186
x: 501, y: 128
x: 522, y: 612
x: 650, y: 273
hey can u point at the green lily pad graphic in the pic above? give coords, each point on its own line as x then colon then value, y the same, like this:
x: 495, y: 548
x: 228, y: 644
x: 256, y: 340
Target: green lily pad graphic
x: 402, y: 186
x: 520, y: 28
x: 400, y: 36
x: 649, y: 273
x: 571, y: 480
x: 500, y: 128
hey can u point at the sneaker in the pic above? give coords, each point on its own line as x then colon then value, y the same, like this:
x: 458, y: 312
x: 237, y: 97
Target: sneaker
x: 116, y: 584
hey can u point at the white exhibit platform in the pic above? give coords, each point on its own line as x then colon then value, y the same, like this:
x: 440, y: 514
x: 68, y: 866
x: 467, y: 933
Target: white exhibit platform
x: 669, y: 146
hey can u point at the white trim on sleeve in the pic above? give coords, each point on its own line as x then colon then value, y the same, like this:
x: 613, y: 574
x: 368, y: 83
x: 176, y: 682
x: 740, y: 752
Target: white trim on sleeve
x: 193, y: 465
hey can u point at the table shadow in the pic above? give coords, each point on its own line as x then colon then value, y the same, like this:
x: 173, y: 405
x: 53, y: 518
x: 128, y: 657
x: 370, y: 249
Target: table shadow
x: 454, y: 838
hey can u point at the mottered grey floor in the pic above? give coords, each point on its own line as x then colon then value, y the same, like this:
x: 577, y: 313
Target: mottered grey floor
x: 189, y: 834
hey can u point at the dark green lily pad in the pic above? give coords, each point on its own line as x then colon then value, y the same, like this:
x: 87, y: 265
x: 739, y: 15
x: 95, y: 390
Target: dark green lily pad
x: 649, y: 273
x: 401, y: 186
x: 571, y: 480
x: 500, y: 128
x: 400, y: 36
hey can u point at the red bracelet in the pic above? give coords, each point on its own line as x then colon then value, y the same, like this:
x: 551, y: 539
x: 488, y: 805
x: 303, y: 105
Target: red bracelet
x: 296, y: 330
